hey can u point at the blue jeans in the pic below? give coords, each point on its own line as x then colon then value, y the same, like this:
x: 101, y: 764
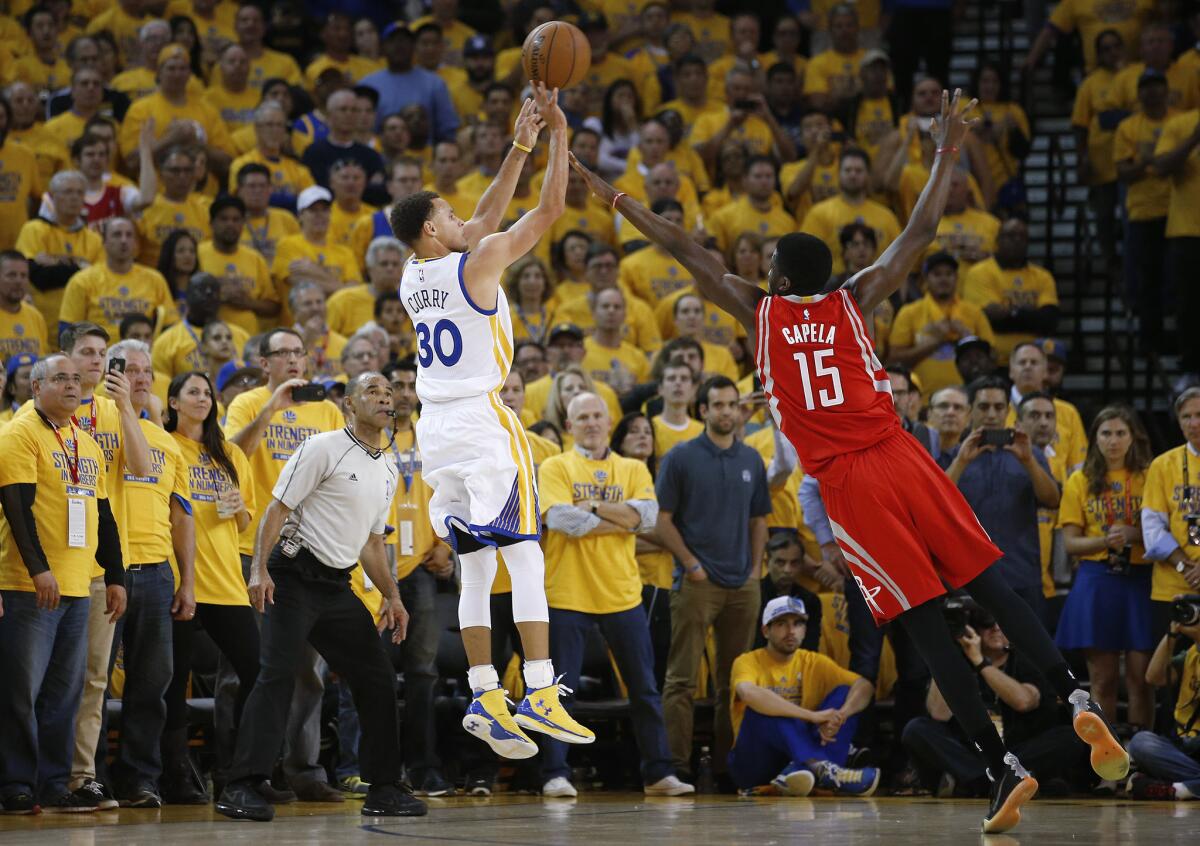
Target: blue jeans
x: 145, y: 632
x: 348, y: 731
x: 43, y: 656
x: 418, y: 592
x: 765, y: 745
x: 1157, y: 756
x: 628, y: 636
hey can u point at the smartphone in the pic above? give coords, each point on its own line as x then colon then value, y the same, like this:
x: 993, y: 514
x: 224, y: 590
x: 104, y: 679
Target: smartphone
x: 745, y: 105
x: 312, y: 392
x: 116, y: 365
x: 997, y: 437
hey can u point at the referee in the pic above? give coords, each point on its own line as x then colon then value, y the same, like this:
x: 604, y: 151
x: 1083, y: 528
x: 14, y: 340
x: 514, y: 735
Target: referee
x: 329, y: 511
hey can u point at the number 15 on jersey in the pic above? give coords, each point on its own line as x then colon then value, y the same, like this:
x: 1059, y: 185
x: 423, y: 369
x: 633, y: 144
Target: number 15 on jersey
x: 828, y: 397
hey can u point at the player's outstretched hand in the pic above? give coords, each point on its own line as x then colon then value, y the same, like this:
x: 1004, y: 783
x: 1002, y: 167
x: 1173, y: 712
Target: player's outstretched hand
x: 952, y: 127
x: 529, y: 124
x: 603, y: 191
x: 547, y: 106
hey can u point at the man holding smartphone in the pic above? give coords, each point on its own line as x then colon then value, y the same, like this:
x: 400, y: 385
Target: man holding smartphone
x: 1005, y: 479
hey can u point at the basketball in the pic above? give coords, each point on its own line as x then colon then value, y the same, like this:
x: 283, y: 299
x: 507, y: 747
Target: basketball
x: 556, y: 54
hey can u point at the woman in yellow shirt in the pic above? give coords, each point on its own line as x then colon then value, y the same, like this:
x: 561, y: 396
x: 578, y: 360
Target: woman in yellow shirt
x: 1108, y: 609
x: 1003, y: 133
x: 222, y: 496
x: 530, y: 299
x: 570, y: 266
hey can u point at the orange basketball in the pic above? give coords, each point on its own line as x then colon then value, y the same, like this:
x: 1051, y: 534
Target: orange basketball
x: 557, y: 54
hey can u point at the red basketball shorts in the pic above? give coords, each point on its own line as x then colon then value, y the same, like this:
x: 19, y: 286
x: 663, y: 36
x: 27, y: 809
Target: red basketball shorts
x: 902, y: 525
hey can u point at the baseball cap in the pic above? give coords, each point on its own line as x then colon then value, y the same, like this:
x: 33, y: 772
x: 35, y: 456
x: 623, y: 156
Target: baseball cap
x: 230, y: 370
x: 478, y: 45
x: 939, y: 258
x: 872, y: 56
x: 172, y: 51
x: 565, y: 329
x: 313, y: 194
x: 971, y: 342
x: 781, y: 606
x: 393, y: 28
x: 19, y: 360
x: 1053, y: 348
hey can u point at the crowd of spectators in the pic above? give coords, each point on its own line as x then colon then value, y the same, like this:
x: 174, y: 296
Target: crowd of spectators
x: 200, y: 190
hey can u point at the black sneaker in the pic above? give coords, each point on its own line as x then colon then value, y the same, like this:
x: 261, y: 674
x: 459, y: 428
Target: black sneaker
x: 1142, y: 787
x: 142, y: 796
x: 478, y: 786
x: 274, y: 795
x: 392, y: 800
x: 95, y: 790
x: 1010, y: 791
x: 18, y: 803
x: 76, y: 802
x: 240, y: 800
x: 433, y: 783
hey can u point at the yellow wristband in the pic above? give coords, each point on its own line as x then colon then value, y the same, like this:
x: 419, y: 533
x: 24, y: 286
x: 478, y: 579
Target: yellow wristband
x: 522, y: 147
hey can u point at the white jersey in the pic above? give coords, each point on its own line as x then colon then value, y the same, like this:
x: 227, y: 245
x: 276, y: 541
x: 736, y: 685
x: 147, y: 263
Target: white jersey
x: 462, y: 350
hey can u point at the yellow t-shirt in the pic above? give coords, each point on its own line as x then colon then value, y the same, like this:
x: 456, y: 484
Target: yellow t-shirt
x: 826, y: 219
x: 913, y: 179
x: 38, y: 236
x: 740, y: 216
x: 248, y: 269
x: 1121, y: 502
x: 822, y: 186
x: 937, y: 370
x: 667, y: 436
x: 219, y: 579
x: 342, y: 221
x: 719, y: 328
x: 1136, y: 138
x: 831, y: 72
x: 753, y: 132
x: 804, y: 679
x: 286, y: 430
x: 335, y: 257
x: 162, y: 217
x: 287, y: 174
x: 1098, y: 96
x: 652, y: 274
x: 164, y: 112
x: 970, y: 232
x: 1189, y: 694
x: 593, y: 574
x: 640, y: 328
x: 593, y: 219
x: 41, y: 76
x: 1048, y: 518
x: 20, y: 179
x: 33, y: 456
x: 686, y: 160
x: 102, y: 296
x: 785, y: 503
x: 454, y: 36
x: 23, y: 332
x: 1026, y: 287
x: 1070, y: 438
x: 691, y: 114
x: 264, y: 233
x: 835, y: 642
x: 177, y: 350
x: 414, y: 535
x: 270, y: 64
x: 1164, y: 493
x: 350, y: 308
x: 355, y: 67
x: 537, y: 394
x: 874, y: 121
x: 713, y: 38
x: 236, y: 108
x: 541, y: 449
x: 603, y: 72
x: 1091, y: 17
x: 149, y: 497
x: 50, y: 153
x: 1002, y: 164
x: 602, y: 362
x: 123, y: 26
x: 137, y: 83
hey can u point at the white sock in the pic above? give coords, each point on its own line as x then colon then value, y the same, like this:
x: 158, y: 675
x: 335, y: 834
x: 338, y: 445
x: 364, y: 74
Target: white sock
x: 1181, y: 791
x: 483, y: 677
x: 539, y: 674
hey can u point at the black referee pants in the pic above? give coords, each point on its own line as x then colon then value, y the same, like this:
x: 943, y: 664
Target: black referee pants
x: 314, y: 603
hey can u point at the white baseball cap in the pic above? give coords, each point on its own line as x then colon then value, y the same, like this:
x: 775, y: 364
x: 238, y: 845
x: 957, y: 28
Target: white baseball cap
x: 783, y: 605
x: 312, y: 194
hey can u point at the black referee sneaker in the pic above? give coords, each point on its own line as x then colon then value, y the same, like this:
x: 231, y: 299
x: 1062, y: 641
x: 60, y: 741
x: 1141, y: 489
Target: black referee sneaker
x: 329, y: 511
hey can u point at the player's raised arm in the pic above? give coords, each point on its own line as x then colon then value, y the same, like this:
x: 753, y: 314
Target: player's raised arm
x: 490, y: 209
x: 732, y: 294
x: 876, y: 283
x: 496, y: 252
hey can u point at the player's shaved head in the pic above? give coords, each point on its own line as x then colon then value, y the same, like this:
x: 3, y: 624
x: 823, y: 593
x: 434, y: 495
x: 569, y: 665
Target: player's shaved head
x: 801, y: 264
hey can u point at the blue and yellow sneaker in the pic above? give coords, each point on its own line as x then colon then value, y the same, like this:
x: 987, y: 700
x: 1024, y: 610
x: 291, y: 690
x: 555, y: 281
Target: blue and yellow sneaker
x: 541, y: 710
x: 845, y: 781
x: 488, y: 719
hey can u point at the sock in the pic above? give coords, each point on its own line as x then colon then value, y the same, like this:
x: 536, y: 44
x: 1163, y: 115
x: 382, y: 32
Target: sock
x: 1181, y: 791
x: 539, y: 674
x: 992, y: 748
x: 483, y: 678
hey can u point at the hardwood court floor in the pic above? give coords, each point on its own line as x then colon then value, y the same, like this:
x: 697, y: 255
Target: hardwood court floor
x: 621, y: 819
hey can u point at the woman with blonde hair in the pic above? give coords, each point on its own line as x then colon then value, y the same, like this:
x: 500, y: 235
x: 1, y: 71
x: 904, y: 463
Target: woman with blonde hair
x: 568, y: 383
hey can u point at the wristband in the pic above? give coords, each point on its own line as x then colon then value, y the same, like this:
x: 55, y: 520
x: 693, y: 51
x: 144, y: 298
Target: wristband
x: 981, y: 666
x: 620, y: 194
x: 941, y: 150
x: 522, y: 147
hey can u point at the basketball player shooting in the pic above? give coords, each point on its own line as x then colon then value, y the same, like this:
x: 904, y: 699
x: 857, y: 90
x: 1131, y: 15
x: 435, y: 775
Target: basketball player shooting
x: 473, y: 448
x: 901, y: 524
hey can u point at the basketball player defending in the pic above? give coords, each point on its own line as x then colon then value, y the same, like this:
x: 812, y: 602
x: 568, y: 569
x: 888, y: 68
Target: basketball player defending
x: 901, y: 523
x: 473, y: 448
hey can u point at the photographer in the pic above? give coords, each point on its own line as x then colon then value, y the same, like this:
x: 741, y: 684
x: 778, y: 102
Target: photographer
x: 1005, y: 478
x: 1170, y: 767
x: 1019, y: 700
x: 1108, y: 609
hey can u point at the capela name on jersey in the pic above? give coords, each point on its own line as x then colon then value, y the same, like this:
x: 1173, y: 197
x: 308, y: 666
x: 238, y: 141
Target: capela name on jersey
x: 809, y: 333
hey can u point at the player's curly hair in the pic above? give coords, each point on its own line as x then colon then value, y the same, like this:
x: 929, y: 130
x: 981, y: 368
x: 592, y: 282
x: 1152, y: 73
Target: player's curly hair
x: 410, y: 215
x: 805, y: 261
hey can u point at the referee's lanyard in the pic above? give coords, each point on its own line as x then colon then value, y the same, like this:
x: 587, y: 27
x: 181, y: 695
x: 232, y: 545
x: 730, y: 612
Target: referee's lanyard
x: 90, y: 427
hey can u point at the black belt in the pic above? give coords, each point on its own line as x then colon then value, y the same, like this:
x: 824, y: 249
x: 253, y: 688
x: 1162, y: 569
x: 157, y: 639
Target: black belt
x: 137, y: 568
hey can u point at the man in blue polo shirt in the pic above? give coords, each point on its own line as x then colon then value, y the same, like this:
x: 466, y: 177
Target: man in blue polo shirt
x: 713, y: 503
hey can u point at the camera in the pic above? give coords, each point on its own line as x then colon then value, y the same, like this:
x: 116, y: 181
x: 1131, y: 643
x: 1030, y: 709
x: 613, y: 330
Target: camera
x: 1186, y: 610
x: 997, y: 437
x: 1193, y: 529
x: 312, y: 392
x: 116, y: 365
x: 962, y: 611
x: 1120, y: 563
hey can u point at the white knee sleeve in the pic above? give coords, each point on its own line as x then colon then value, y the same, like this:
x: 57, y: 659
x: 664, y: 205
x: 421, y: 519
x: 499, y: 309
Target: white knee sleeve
x: 528, y: 570
x: 475, y: 598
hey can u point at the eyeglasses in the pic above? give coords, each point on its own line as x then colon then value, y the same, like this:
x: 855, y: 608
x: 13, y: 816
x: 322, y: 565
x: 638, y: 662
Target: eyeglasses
x: 287, y: 353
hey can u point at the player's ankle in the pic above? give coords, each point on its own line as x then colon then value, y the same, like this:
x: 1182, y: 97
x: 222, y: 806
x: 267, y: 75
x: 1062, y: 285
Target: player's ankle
x: 483, y: 677
x: 539, y: 674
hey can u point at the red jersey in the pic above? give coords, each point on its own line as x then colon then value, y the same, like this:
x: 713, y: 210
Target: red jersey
x: 107, y: 205
x: 825, y: 387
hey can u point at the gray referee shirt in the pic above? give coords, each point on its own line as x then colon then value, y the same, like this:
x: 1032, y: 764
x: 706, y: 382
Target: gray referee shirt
x: 339, y: 496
